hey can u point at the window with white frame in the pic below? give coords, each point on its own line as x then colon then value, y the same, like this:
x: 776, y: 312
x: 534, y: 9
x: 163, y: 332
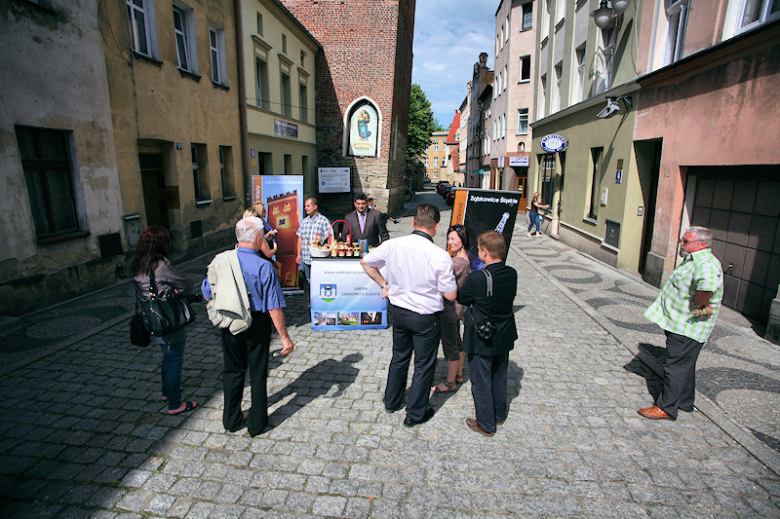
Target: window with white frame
x: 506, y: 34
x: 261, y: 72
x: 753, y: 13
x: 503, y: 126
x: 435, y: 145
x: 435, y: 161
x: 528, y: 16
x: 501, y: 39
x: 605, y: 57
x: 497, y: 47
x: 217, y: 49
x: 506, y: 75
x: 578, y: 89
x: 426, y: 162
x: 556, y: 97
x: 560, y: 11
x: 677, y: 19
x: 184, y: 29
x: 143, y: 27
x: 50, y: 177
x: 525, y: 69
x: 522, y: 121
x: 542, y: 96
x: 544, y: 27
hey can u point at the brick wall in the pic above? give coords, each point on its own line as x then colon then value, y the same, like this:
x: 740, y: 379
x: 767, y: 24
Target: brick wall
x: 367, y: 52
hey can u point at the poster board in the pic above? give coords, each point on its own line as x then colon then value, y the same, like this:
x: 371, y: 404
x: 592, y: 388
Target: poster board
x: 343, y: 297
x: 485, y: 210
x: 282, y: 196
x: 333, y: 180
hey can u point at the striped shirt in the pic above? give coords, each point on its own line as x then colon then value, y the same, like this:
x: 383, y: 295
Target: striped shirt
x: 308, y: 230
x: 701, y: 271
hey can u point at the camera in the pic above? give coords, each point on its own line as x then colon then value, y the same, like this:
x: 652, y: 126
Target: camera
x: 486, y: 330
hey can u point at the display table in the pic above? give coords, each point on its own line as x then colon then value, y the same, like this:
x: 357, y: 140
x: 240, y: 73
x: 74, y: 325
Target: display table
x: 343, y: 297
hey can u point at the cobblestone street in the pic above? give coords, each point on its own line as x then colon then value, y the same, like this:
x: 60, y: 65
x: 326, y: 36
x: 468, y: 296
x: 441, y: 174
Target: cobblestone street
x: 83, y: 432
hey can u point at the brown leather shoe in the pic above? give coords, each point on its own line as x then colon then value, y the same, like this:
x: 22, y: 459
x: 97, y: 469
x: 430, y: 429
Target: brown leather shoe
x: 655, y: 413
x: 474, y: 426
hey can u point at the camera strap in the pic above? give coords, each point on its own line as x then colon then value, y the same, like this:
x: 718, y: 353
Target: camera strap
x: 489, y: 290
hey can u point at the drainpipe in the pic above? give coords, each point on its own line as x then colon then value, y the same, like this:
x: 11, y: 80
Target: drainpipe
x: 242, y: 103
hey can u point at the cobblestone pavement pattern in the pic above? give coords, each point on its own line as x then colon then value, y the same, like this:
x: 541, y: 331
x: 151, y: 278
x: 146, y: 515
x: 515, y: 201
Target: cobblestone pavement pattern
x: 83, y: 433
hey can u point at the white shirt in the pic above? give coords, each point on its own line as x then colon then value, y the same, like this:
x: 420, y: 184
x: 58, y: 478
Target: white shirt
x: 417, y: 270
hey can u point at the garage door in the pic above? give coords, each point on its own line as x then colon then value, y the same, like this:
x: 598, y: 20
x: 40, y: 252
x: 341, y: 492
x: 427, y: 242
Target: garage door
x: 743, y: 210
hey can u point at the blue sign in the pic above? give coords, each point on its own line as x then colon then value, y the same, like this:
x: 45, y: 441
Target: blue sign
x: 285, y: 128
x: 553, y: 143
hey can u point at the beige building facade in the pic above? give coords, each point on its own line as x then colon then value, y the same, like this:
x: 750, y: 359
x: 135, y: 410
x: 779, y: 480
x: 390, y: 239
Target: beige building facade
x: 61, y: 209
x: 279, y: 70
x: 435, y: 157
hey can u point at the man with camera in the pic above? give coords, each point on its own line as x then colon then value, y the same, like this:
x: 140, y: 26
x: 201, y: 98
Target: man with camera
x: 489, y: 332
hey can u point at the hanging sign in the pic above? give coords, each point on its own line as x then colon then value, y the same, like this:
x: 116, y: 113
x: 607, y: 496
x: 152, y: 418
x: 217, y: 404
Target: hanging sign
x: 553, y: 143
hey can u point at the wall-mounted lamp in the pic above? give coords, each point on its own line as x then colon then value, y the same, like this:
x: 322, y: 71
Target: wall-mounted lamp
x: 605, y: 15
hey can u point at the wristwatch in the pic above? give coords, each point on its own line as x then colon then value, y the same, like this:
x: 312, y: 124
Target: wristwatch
x: 383, y: 286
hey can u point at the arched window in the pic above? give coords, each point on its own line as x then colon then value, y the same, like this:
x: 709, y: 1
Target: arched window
x: 362, y: 129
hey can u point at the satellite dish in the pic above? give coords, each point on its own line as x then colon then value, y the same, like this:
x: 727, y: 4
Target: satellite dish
x: 611, y: 109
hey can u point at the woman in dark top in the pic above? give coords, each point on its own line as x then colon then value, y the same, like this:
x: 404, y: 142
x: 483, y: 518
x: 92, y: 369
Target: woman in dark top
x: 534, y: 216
x: 154, y: 249
x: 458, y: 244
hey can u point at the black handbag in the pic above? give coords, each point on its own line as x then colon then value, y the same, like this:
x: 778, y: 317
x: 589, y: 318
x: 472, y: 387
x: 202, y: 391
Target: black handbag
x: 139, y: 335
x: 163, y: 315
x: 486, y: 329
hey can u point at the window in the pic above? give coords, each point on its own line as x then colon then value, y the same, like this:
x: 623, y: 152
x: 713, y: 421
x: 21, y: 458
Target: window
x: 259, y: 24
x: 560, y: 11
x: 548, y: 177
x: 542, y: 96
x: 435, y: 161
x: 556, y: 97
x: 501, y: 38
x: 606, y: 55
x: 506, y: 34
x: 261, y: 70
x: 184, y: 29
x: 143, y: 27
x: 497, y: 46
x: 503, y: 126
x: 544, y: 26
x: 495, y: 129
x: 579, y: 88
x: 288, y: 165
x: 226, y: 171
x: 426, y: 162
x: 305, y: 165
x: 528, y: 16
x: 284, y: 43
x: 522, y: 121
x: 199, y: 176
x: 505, y: 76
x: 217, y: 48
x: 50, y: 178
x: 595, y: 182
x: 525, y: 69
x: 286, y: 101
x: 753, y: 13
x: 436, y: 146
x: 303, y: 102
x: 676, y: 17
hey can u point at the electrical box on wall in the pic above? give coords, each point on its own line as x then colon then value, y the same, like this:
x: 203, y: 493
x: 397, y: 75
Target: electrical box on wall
x: 604, y: 192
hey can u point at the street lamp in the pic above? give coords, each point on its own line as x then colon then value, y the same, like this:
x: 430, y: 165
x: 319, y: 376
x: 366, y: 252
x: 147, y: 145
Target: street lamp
x: 605, y: 16
x: 620, y: 6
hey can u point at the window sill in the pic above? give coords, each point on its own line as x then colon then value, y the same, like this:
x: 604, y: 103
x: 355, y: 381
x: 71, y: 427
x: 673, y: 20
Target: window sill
x: 524, y: 29
x: 204, y: 202
x: 229, y: 198
x: 523, y: 81
x: 591, y: 221
x: 190, y: 75
x: 220, y: 86
x: 49, y: 240
x: 144, y: 57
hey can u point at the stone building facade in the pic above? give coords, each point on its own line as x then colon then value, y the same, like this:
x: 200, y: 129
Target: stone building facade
x: 360, y: 66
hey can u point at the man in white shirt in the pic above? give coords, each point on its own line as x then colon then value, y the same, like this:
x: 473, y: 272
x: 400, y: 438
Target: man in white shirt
x: 418, y: 274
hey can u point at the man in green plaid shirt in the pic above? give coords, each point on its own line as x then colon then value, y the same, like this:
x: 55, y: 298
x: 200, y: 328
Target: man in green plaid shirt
x: 686, y: 309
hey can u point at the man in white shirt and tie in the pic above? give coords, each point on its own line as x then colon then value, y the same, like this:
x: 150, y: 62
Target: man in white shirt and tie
x: 366, y: 223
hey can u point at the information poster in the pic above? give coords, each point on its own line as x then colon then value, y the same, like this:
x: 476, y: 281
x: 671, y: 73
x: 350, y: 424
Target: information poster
x: 485, y: 210
x: 343, y: 297
x: 282, y: 196
x: 333, y: 180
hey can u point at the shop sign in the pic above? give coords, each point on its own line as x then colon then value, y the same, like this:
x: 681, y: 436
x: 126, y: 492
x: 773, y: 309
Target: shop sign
x: 518, y: 162
x: 286, y: 129
x: 553, y: 143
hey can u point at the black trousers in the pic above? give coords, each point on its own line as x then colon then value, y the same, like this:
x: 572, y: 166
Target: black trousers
x: 248, y: 349
x: 679, y: 374
x: 418, y: 334
x: 488, y: 387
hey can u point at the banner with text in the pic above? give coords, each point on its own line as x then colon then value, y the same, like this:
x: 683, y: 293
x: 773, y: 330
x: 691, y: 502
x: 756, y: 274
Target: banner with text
x: 343, y: 297
x: 484, y: 210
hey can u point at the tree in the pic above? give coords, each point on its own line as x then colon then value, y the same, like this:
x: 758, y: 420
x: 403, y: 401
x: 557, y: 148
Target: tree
x: 421, y: 124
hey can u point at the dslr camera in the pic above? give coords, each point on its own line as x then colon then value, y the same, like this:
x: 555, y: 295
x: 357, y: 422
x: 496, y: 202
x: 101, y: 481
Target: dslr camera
x: 486, y: 330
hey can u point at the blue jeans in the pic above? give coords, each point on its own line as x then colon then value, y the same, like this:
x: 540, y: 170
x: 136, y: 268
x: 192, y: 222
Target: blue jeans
x: 172, y: 362
x: 536, y: 219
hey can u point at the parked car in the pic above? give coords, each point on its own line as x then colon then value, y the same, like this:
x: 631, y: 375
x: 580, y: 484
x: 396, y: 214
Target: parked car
x: 446, y: 189
x: 441, y: 185
x: 450, y: 198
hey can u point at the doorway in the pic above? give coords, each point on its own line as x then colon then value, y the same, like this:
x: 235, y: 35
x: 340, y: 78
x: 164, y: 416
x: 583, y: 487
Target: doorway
x: 153, y: 184
x: 648, y: 156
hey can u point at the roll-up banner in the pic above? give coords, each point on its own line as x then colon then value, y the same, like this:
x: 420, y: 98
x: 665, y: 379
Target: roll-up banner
x: 343, y: 297
x: 482, y: 210
x: 282, y: 196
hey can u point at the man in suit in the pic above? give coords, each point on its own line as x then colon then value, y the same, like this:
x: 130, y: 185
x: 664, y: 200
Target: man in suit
x: 366, y: 224
x: 488, y: 360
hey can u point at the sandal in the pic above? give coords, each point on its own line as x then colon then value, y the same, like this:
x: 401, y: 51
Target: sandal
x: 458, y: 380
x: 188, y: 406
x: 449, y: 387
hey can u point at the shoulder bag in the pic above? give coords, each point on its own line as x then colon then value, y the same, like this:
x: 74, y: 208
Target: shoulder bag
x: 168, y: 314
x: 486, y: 329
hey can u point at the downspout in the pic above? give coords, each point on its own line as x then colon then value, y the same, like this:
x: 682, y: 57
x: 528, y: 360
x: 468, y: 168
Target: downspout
x: 242, y: 103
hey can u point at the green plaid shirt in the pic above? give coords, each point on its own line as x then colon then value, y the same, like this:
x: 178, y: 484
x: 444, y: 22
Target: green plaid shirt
x: 672, y: 309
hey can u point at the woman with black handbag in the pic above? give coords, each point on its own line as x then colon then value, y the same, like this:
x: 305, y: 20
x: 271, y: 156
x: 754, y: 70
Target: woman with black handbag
x: 152, y: 254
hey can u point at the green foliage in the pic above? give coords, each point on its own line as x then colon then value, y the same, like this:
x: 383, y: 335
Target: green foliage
x: 421, y: 123
x: 439, y: 126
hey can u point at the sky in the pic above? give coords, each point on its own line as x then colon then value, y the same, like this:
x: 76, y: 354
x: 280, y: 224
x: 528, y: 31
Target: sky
x: 448, y: 37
